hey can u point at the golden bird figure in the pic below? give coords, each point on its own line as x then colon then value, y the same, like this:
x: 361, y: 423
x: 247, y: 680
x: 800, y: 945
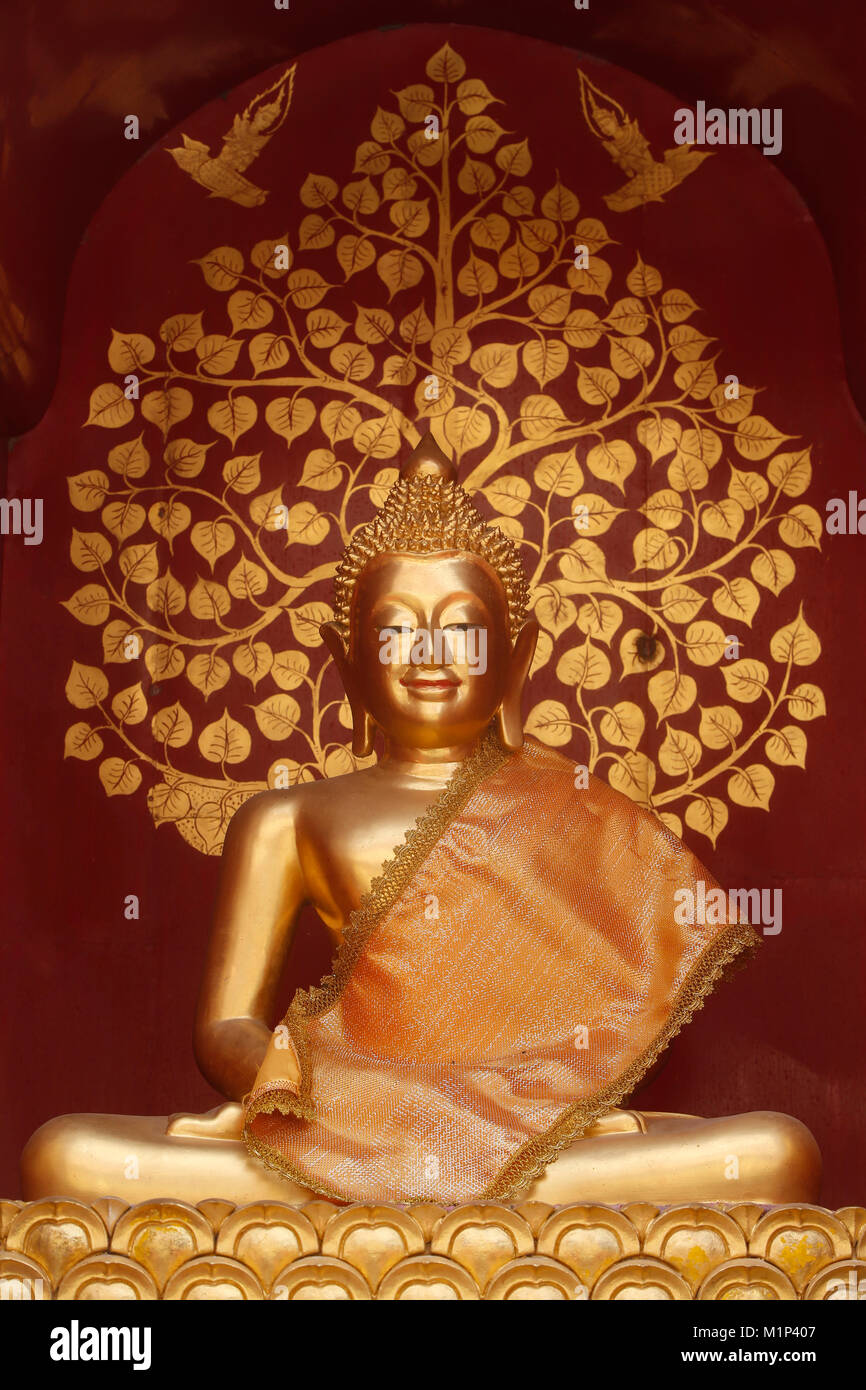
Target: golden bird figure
x: 250, y: 132
x: 649, y: 180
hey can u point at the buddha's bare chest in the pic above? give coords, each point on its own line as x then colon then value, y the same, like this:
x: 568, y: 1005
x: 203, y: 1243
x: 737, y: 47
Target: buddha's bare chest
x: 344, y: 846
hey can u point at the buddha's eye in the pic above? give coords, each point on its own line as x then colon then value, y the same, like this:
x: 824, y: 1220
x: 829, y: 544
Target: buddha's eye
x: 400, y: 631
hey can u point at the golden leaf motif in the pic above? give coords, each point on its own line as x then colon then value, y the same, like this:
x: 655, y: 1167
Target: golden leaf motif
x: 91, y: 604
x: 119, y: 777
x: 787, y: 746
x: 169, y: 518
x: 89, y: 550
x: 623, y: 724
x: 243, y: 473
x: 277, y: 716
x: 705, y: 643
x: 307, y: 620
x: 721, y: 726
x: 796, y: 643
x: 224, y: 741
x: 495, y: 364
x: 582, y: 562
x: 209, y: 600
x: 654, y: 550
x: 185, y: 458
x: 584, y: 667
x: 774, y: 569
x: 109, y: 407
x: 723, y: 518
x: 253, y: 661
x: 756, y: 438
x: 445, y: 66
x: 555, y: 611
x: 130, y: 459
x: 599, y: 618
x: 643, y: 280
x: 634, y: 775
x: 339, y: 421
x: 306, y: 525
x: 233, y: 416
x: 86, y: 686
x: 165, y: 662
x: 166, y: 408
x: 172, y: 726
x: 558, y: 474
x: 659, y: 435
x: 677, y: 305
x: 208, y: 673
x: 181, y: 331
x: 290, y: 416
x: 671, y: 693
x: 806, y: 702
x: 680, y: 753
x: 550, y: 722
x: 399, y: 270
x: 218, y: 354
x: 752, y: 786
x: 597, y: 385
x: 737, y: 598
x: 222, y: 267
x: 508, y: 494
x: 664, y: 508
x: 247, y: 579
x: 289, y: 669
x: 82, y: 742
x: 321, y: 470
x: 212, y: 539
x: 166, y: 596
x: 129, y: 706
x: 680, y: 603
x: 87, y: 490
x: 582, y: 329
x: 467, y: 427
x: 593, y: 515
x: 613, y: 462
x: 800, y: 527
x: 473, y: 96
x: 708, y: 816
x: 628, y: 316
x: 746, y: 680
x: 317, y: 191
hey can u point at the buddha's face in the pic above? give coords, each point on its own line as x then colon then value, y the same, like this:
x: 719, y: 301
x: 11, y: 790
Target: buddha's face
x: 429, y: 652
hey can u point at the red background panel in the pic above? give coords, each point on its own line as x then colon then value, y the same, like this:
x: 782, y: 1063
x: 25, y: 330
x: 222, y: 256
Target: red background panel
x: 98, y: 1009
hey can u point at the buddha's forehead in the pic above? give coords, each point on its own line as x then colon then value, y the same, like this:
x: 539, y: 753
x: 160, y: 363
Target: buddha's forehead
x: 430, y: 579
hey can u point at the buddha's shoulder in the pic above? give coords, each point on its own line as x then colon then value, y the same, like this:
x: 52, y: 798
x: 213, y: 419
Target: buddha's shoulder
x: 285, y: 806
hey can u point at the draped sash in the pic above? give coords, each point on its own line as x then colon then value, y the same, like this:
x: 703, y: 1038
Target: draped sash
x: 512, y: 974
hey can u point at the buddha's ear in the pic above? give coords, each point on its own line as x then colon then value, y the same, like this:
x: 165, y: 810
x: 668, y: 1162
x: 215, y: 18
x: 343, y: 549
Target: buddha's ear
x: 362, y: 725
x: 509, y: 716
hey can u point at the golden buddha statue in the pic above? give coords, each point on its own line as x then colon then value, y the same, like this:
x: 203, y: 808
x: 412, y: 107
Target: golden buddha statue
x: 502, y: 980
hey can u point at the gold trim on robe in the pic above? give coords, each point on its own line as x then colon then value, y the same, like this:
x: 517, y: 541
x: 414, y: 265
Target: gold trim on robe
x: 518, y: 966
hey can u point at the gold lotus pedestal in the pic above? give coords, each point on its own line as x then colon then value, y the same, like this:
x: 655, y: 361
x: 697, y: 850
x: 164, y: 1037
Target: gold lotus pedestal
x: 169, y: 1250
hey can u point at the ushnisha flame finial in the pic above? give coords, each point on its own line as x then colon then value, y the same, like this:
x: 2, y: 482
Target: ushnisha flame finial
x: 427, y: 460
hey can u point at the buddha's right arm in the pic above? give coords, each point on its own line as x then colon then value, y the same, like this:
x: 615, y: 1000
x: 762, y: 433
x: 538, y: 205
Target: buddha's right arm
x: 260, y: 892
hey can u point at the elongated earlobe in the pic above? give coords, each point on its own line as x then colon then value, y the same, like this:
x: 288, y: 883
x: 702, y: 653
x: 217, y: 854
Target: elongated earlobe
x: 509, y: 716
x: 363, y: 728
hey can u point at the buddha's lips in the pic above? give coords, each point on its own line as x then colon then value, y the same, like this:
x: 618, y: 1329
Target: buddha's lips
x: 430, y: 683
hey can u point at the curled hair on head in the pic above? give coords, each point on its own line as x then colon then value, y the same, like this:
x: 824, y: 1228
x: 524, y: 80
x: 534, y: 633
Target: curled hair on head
x: 426, y: 512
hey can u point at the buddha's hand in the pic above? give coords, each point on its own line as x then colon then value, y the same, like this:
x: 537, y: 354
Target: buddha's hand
x: 223, y: 1122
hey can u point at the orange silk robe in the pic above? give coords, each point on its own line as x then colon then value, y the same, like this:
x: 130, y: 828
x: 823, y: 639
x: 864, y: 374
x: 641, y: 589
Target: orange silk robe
x: 509, y: 978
